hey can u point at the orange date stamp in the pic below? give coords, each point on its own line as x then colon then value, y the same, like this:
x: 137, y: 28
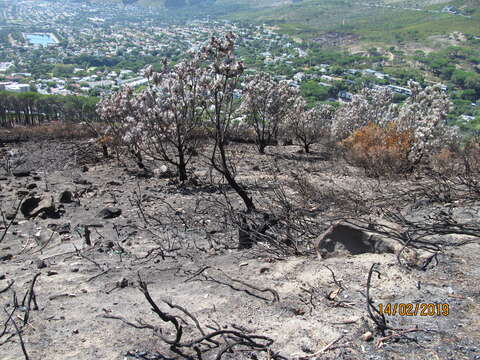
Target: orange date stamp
x: 409, y: 309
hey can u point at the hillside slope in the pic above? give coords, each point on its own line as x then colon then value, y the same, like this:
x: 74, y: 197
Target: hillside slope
x: 384, y: 21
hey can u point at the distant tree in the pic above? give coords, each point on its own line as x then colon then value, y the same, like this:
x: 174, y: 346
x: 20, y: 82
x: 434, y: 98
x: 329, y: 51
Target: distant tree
x: 419, y: 124
x: 170, y: 109
x: 308, y: 126
x: 265, y: 103
x: 222, y: 78
x: 120, y: 113
x: 367, y: 106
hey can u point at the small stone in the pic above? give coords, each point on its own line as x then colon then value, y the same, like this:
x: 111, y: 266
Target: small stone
x: 75, y: 331
x: 367, y: 336
x: 40, y: 264
x: 81, y: 181
x: 2, y: 276
x: 123, y: 283
x: 51, y: 273
x: 31, y: 186
x: 109, y: 213
x: 21, y: 173
x: 74, y: 270
x: 61, y: 229
x: 66, y: 197
x: 6, y: 257
x: 22, y: 193
x: 10, y: 215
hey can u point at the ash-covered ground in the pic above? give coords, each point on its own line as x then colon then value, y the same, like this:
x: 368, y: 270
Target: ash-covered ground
x: 92, y: 229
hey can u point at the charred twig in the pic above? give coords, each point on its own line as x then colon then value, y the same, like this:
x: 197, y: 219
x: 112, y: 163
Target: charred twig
x: 19, y: 333
x: 325, y: 349
x: 8, y: 287
x: 378, y: 318
x: 338, y: 283
x: 83, y: 256
x: 275, y: 295
x: 31, y: 296
x: 197, y: 273
x: 381, y: 341
x: 98, y: 275
x: 5, y: 325
x: 6, y: 224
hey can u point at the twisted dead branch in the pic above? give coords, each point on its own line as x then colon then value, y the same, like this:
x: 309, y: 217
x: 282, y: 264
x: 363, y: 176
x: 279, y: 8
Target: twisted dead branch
x: 26, y: 306
x: 225, y: 340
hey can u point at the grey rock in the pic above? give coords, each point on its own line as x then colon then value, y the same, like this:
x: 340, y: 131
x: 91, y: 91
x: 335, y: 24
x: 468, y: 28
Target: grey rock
x: 22, y: 193
x: 40, y: 264
x: 10, y: 215
x: 66, y: 197
x: 60, y: 228
x: 114, y: 183
x: 21, y: 173
x: 34, y: 206
x: 109, y: 213
x: 343, y: 239
x: 81, y: 181
x: 6, y: 257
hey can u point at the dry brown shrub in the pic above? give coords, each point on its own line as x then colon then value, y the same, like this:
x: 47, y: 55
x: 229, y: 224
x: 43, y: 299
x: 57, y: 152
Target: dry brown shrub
x: 50, y: 131
x: 456, y: 160
x: 380, y: 150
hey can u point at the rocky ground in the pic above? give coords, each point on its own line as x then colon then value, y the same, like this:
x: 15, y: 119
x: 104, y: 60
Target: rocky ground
x: 92, y: 229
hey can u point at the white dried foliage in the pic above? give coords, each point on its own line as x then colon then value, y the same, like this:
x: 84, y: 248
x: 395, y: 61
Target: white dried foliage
x: 309, y: 126
x: 119, y: 111
x: 204, y: 91
x: 370, y: 105
x: 265, y: 104
x: 424, y: 113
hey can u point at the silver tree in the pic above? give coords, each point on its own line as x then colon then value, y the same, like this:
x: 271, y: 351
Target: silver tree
x: 266, y: 103
x: 171, y: 111
x: 308, y: 126
x: 219, y: 84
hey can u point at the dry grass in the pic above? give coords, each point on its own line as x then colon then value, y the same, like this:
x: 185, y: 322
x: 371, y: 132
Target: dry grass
x: 53, y: 131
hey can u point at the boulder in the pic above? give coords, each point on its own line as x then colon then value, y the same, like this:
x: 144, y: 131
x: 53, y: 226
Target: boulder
x: 33, y: 206
x: 343, y: 239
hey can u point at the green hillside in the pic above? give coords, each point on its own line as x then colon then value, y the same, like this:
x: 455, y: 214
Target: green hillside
x: 388, y: 21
